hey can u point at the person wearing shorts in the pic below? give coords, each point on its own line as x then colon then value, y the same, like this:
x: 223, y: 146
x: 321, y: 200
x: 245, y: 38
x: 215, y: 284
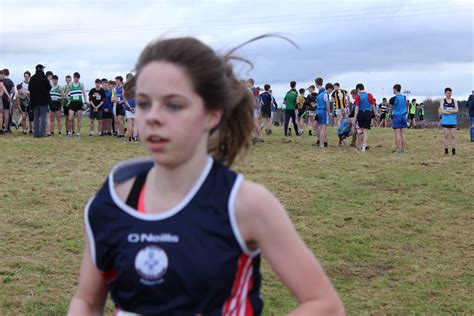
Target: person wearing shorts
x: 448, y: 110
x: 421, y: 115
x: 22, y: 103
x: 3, y: 93
x: 96, y: 100
x: 344, y: 131
x: 68, y: 80
x: 311, y: 106
x: 323, y: 110
x: 107, y: 109
x: 412, y: 114
x: 302, y: 111
x: 77, y: 96
x: 398, y: 109
x: 119, y: 107
x: 341, y: 101
x: 266, y: 100
x: 290, y: 109
x: 57, y: 98
x: 256, y: 110
x: 364, y: 109
x: 383, y: 107
x: 130, y: 108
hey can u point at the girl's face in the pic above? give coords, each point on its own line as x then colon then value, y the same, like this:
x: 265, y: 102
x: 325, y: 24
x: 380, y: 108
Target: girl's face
x: 172, y: 120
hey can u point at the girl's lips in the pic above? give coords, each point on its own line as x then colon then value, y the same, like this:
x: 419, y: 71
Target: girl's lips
x: 156, y: 143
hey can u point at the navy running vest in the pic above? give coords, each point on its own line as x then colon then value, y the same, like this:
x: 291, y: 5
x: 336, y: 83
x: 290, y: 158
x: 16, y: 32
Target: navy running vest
x: 188, y: 260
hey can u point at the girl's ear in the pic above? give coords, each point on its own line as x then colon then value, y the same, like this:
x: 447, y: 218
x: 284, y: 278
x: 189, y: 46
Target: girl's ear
x: 214, y: 117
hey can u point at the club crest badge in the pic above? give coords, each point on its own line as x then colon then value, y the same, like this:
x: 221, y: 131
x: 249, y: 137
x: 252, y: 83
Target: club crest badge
x: 151, y: 263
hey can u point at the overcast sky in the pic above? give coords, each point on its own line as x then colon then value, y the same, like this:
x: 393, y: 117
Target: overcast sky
x: 423, y: 45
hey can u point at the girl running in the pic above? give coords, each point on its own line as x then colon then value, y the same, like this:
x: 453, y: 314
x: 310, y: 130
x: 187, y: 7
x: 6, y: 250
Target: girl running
x: 448, y: 110
x: 179, y: 233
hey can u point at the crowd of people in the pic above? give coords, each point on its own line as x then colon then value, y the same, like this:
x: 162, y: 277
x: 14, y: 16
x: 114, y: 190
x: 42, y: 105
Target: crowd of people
x: 42, y: 103
x: 353, y: 114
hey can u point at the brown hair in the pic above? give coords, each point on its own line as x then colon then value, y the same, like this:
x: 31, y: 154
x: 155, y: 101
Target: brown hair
x: 214, y: 81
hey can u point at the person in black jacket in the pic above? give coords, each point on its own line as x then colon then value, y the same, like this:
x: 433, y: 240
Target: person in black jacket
x: 39, y: 88
x: 470, y: 105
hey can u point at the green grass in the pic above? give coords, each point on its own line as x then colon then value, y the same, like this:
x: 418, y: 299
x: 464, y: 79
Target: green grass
x: 394, y: 231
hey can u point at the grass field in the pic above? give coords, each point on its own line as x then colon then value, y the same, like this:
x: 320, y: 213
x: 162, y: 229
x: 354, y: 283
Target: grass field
x: 394, y: 232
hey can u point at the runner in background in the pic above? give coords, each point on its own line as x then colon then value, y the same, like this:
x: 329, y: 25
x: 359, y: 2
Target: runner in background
x: 107, y: 109
x: 311, y: 106
x: 274, y: 108
x: 67, y: 123
x: 130, y: 109
x: 341, y: 101
x: 7, y: 100
x: 4, y: 96
x: 448, y: 110
x: 412, y: 114
x: 383, y: 108
x: 355, y: 135
x: 118, y: 98
x: 77, y: 98
x: 302, y: 110
x: 96, y: 100
x: 290, y: 108
x: 421, y: 115
x: 398, y: 110
x: 57, y: 99
x: 364, y: 109
x: 266, y: 110
x: 22, y: 104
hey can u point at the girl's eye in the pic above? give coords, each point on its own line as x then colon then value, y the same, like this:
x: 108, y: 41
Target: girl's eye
x: 174, y: 107
x: 144, y: 105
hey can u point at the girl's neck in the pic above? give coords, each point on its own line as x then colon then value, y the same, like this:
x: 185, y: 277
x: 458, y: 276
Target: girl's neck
x: 177, y: 179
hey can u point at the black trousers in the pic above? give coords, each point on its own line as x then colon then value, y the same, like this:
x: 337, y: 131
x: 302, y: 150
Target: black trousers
x: 290, y: 114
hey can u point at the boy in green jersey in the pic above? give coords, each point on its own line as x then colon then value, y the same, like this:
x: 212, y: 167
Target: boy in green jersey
x: 57, y: 98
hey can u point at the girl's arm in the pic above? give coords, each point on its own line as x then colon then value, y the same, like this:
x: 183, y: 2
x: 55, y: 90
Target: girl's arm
x: 264, y: 223
x: 92, y: 290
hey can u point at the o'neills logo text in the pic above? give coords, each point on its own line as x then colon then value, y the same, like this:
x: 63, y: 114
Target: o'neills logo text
x: 165, y: 237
